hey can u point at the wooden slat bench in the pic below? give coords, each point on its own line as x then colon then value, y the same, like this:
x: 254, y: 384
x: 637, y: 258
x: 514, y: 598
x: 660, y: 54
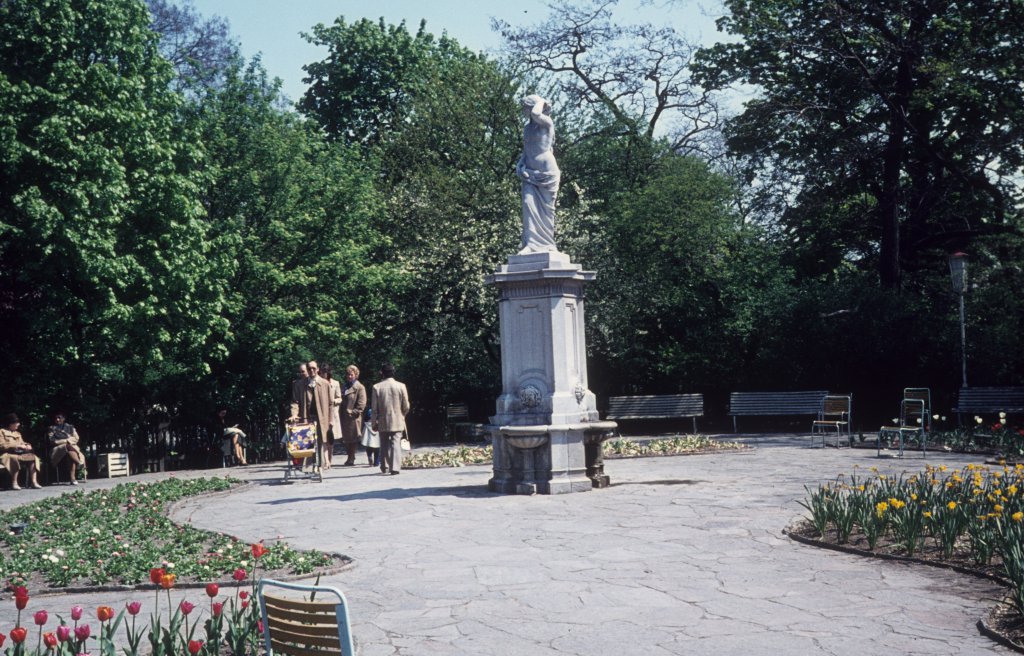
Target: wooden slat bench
x: 774, y: 404
x: 990, y: 399
x: 663, y: 406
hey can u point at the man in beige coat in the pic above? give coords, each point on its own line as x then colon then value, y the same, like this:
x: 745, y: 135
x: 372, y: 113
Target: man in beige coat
x: 390, y: 405
x: 312, y: 402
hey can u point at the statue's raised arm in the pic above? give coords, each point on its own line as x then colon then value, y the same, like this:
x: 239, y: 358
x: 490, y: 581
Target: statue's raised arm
x: 539, y: 173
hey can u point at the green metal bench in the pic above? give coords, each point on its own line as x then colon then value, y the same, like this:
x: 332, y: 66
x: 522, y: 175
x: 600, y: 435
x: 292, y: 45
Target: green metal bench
x: 989, y: 400
x: 767, y: 404
x: 657, y: 406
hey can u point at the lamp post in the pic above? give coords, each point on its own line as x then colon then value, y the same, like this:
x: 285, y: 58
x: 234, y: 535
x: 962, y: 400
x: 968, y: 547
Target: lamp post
x: 958, y: 274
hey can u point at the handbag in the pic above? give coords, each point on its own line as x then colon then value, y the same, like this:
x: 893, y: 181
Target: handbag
x: 405, y: 444
x: 371, y: 438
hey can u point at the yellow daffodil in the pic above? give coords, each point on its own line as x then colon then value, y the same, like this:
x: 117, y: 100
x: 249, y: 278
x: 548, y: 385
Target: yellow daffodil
x: 1017, y: 516
x: 951, y: 505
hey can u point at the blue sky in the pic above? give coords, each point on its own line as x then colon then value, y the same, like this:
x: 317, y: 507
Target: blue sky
x: 272, y: 27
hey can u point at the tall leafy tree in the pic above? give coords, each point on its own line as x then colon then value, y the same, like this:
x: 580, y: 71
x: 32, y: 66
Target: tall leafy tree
x: 295, y: 216
x: 111, y: 287
x: 442, y: 122
x: 884, y: 130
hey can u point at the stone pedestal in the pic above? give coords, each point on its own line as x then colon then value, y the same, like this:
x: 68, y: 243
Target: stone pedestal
x: 546, y: 411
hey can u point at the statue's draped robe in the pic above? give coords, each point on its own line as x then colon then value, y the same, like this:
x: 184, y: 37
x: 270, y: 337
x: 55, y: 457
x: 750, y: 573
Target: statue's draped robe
x: 539, y: 191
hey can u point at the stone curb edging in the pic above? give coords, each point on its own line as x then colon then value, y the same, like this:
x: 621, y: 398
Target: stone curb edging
x: 983, y: 627
x: 345, y: 564
x: 997, y: 637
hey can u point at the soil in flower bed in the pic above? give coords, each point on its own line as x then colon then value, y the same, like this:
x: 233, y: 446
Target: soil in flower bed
x: 1004, y: 620
x: 112, y: 538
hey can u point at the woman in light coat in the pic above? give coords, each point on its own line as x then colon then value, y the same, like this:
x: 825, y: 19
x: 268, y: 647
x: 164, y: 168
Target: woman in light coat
x: 352, y: 406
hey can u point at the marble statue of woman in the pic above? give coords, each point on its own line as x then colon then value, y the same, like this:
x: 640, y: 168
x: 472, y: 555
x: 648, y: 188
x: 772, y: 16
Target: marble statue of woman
x: 539, y: 172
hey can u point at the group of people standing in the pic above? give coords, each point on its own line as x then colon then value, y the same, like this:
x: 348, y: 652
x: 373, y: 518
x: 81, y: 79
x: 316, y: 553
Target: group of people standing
x: 17, y: 454
x: 338, y: 409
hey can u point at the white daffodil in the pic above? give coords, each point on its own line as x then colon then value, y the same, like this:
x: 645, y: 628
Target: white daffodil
x: 978, y: 419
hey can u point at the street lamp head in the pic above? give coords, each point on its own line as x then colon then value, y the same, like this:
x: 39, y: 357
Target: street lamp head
x: 958, y: 271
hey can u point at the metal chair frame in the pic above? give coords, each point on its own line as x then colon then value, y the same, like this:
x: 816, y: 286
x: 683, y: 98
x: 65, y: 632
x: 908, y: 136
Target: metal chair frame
x: 836, y: 412
x: 912, y: 422
x: 301, y: 627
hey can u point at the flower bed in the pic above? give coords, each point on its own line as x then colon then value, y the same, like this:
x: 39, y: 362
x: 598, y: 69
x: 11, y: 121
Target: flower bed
x: 672, y: 446
x: 618, y: 448
x: 114, y: 537
x: 232, y: 623
x: 971, y: 518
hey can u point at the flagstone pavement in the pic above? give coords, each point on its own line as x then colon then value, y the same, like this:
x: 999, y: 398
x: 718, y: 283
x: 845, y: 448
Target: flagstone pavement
x: 681, y: 555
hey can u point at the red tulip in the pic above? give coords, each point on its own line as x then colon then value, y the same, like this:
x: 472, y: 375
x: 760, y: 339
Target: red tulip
x: 21, y: 591
x: 49, y: 640
x: 20, y: 602
x: 3, y: 638
x: 40, y: 617
x: 239, y: 574
x: 186, y: 606
x: 134, y: 607
x: 195, y: 646
x: 259, y: 625
x: 155, y: 574
x: 104, y: 613
x: 76, y: 613
x: 18, y: 634
x: 167, y: 581
x: 63, y: 632
x: 243, y: 595
x: 216, y: 609
x: 82, y: 631
x: 258, y: 550
x: 245, y: 604
x: 212, y: 589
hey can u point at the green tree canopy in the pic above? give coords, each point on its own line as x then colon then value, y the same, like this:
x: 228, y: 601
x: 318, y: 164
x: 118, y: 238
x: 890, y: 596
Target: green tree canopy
x: 110, y: 283
x: 442, y: 122
x: 295, y: 217
x: 882, y: 130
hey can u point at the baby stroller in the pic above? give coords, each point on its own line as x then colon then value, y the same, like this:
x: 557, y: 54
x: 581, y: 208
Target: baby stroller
x: 302, y: 447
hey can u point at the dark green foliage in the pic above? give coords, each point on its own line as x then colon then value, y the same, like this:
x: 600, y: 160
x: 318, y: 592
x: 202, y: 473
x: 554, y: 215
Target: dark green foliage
x: 295, y: 216
x: 109, y: 278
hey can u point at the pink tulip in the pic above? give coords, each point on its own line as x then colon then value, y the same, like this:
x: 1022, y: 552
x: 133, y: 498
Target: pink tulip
x: 63, y: 632
x: 134, y: 607
x: 82, y: 632
x: 186, y: 606
x: 216, y: 608
x: 40, y: 617
x: 76, y: 613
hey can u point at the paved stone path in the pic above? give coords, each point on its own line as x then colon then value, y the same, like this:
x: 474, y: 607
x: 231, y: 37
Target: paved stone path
x: 682, y: 555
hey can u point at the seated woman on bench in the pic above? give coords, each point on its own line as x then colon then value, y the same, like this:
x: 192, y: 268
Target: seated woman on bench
x: 64, y: 442
x: 16, y: 453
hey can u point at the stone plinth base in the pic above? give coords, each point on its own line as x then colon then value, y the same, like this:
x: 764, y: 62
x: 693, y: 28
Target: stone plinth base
x: 549, y: 459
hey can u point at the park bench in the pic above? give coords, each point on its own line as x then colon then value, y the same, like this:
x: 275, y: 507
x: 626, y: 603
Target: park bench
x: 663, y: 406
x: 989, y: 399
x: 775, y: 404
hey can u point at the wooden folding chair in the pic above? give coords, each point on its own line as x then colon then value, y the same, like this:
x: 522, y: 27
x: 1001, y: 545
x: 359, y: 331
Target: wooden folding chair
x: 304, y: 627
